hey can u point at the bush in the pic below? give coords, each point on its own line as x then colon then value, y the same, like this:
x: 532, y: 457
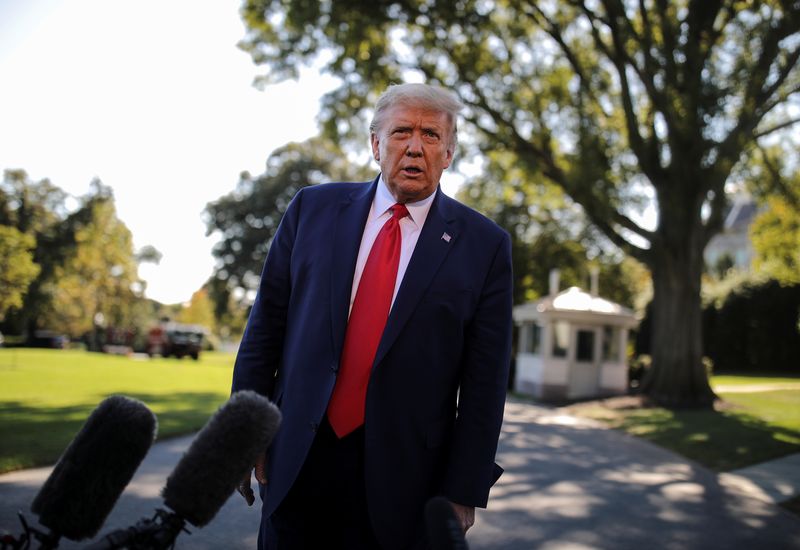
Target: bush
x: 750, y: 326
x: 755, y: 329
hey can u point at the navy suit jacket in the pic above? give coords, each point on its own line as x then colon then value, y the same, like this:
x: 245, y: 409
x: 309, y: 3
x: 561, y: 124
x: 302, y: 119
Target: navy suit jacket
x: 435, y: 399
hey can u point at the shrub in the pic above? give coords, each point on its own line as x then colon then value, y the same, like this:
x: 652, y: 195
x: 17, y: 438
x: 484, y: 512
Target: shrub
x: 755, y: 329
x: 754, y: 326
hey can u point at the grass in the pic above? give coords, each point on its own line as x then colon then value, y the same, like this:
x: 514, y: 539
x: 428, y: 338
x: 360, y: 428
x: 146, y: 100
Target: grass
x: 732, y: 380
x: 744, y: 429
x: 46, y: 395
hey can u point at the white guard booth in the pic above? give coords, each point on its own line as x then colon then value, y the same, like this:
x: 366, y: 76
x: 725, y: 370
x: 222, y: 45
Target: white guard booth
x: 572, y: 345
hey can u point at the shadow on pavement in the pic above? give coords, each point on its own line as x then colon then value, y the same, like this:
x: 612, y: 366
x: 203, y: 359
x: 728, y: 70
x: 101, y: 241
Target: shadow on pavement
x: 572, y: 484
x: 569, y: 484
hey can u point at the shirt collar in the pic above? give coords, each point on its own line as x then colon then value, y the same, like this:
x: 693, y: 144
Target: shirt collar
x: 417, y: 211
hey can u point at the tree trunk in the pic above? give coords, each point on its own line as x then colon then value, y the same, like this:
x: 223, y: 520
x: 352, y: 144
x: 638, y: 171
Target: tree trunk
x: 677, y: 377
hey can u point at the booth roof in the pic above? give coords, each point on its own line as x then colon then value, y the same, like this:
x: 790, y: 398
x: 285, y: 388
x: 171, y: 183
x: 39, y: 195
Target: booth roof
x: 572, y: 300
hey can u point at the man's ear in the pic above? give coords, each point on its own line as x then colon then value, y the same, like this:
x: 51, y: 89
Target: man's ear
x: 449, y: 156
x: 376, y: 146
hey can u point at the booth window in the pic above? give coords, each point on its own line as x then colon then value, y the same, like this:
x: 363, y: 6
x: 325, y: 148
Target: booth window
x: 585, y: 351
x: 611, y: 343
x: 530, y: 339
x: 534, y: 339
x: 560, y: 338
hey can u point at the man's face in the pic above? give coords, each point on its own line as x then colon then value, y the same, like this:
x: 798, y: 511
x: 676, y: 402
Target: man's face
x: 413, y: 147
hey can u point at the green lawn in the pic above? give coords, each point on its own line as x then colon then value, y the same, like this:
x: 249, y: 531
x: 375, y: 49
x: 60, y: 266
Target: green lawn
x: 731, y: 380
x: 746, y: 428
x: 46, y: 395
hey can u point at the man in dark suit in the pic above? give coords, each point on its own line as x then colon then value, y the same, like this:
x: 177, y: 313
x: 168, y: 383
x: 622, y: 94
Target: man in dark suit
x: 382, y: 330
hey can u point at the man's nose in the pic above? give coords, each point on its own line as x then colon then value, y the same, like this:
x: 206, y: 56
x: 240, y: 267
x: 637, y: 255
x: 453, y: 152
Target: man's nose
x: 414, y: 145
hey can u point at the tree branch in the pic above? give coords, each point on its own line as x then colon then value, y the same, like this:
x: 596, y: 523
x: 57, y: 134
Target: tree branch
x: 553, y: 31
x: 728, y: 14
x: 791, y: 64
x: 775, y: 128
x: 755, y: 103
x: 645, y: 150
x: 625, y: 222
x: 786, y: 192
x: 670, y: 46
x: 641, y: 254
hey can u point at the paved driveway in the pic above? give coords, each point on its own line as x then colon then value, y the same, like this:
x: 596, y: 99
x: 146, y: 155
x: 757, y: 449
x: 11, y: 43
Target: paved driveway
x: 569, y: 485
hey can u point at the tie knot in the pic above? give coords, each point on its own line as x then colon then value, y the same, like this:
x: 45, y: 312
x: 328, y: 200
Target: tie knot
x: 399, y: 211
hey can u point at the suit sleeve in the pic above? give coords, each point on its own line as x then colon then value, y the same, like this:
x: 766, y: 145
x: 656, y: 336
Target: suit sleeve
x: 259, y: 356
x: 471, y: 470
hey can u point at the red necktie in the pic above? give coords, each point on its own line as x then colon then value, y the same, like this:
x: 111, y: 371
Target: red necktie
x: 365, y: 327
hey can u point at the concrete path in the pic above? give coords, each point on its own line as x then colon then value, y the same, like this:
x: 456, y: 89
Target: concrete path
x: 774, y: 481
x: 570, y: 484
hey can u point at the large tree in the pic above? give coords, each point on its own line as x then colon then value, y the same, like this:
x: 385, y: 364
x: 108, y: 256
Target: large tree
x: 98, y: 281
x: 87, y: 269
x: 36, y: 209
x: 615, y: 101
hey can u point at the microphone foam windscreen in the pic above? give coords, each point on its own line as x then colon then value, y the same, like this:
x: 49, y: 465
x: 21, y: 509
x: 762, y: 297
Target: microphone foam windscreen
x: 444, y: 529
x: 220, y: 456
x: 95, y: 468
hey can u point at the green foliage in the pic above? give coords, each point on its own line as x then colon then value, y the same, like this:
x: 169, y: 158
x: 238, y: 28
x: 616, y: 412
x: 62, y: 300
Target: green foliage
x: 230, y: 316
x: 617, y: 102
x: 755, y: 329
x: 87, y: 269
x: 604, y: 100
x: 773, y: 179
x: 248, y: 217
x: 36, y: 209
x: 548, y: 231
x: 775, y: 234
x: 32, y: 207
x: 199, y: 311
x: 98, y: 281
x: 17, y: 268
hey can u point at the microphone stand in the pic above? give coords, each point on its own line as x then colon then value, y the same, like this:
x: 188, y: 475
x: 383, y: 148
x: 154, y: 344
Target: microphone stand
x: 47, y: 541
x: 156, y: 533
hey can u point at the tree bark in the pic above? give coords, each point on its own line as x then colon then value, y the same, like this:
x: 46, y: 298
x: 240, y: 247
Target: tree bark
x: 677, y: 376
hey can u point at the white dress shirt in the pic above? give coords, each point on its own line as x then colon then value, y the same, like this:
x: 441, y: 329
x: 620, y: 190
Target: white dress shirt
x: 410, y: 228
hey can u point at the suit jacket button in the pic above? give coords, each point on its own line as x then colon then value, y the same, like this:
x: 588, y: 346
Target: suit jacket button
x: 314, y: 426
x: 335, y: 367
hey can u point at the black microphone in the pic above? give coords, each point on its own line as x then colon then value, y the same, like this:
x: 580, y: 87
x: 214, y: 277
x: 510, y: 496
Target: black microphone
x: 207, y: 474
x: 95, y: 468
x: 444, y: 529
x: 220, y: 456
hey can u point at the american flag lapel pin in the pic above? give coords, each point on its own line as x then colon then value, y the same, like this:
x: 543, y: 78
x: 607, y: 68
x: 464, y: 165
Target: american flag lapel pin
x: 446, y: 237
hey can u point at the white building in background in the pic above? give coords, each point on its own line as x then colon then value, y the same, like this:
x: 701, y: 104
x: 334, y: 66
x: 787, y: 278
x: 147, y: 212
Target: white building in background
x: 733, y: 242
x: 572, y: 345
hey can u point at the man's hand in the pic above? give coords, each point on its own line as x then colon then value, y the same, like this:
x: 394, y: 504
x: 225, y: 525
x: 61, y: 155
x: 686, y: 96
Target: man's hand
x: 261, y: 476
x: 465, y: 515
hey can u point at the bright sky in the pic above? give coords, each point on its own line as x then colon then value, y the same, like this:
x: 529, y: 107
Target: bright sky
x: 155, y: 99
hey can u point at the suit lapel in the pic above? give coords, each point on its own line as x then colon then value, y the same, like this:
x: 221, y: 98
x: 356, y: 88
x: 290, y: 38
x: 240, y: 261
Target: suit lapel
x: 438, y: 236
x: 349, y: 221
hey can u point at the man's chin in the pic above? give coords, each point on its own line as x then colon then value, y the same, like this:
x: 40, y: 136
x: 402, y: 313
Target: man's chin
x: 412, y: 190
